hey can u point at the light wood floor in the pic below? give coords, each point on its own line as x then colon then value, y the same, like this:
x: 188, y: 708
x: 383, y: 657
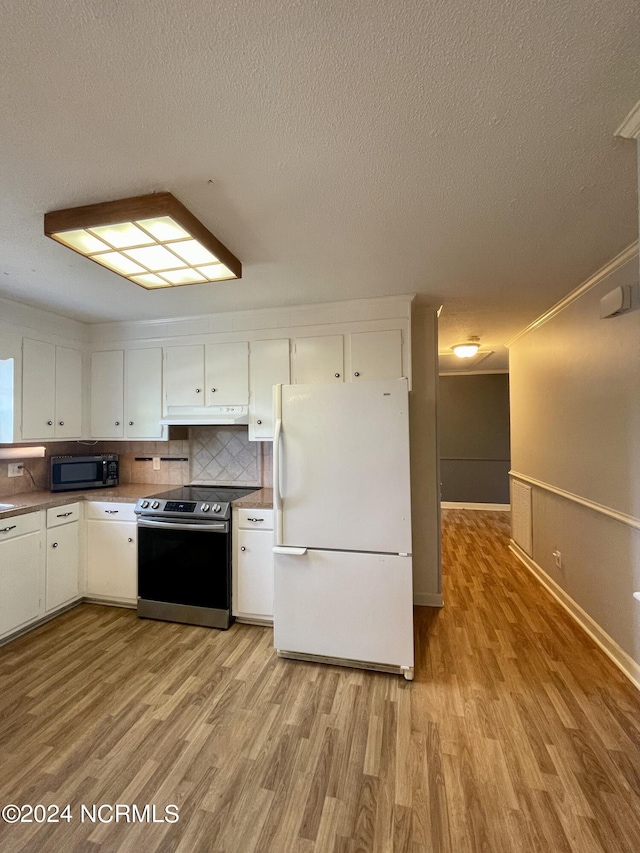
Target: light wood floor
x: 517, y: 734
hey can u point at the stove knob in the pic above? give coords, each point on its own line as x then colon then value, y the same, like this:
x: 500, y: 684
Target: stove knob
x: 155, y: 505
x: 144, y: 504
x: 217, y: 508
x: 205, y: 507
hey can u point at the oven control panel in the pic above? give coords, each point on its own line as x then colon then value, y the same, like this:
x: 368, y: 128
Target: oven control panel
x: 182, y: 508
x: 179, y: 506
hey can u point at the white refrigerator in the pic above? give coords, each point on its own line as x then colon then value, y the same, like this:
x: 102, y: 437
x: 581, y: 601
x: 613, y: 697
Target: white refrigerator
x: 343, y: 579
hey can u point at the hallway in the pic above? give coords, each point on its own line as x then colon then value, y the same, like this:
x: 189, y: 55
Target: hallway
x: 538, y: 732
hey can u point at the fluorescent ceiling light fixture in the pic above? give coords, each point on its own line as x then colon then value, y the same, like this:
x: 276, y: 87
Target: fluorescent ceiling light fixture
x: 151, y: 240
x: 467, y: 349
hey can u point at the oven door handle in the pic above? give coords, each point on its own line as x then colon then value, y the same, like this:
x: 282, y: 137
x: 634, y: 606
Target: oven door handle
x: 219, y: 527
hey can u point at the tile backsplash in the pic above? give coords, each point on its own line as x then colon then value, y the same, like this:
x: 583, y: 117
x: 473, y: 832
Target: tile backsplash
x: 224, y: 456
x: 212, y: 455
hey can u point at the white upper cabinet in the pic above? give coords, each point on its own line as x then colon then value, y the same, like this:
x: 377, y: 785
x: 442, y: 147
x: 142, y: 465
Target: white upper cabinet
x: 268, y: 366
x: 126, y: 393
x: 107, y: 394
x: 200, y: 377
x: 143, y: 393
x: 375, y: 355
x: 227, y: 374
x: 184, y: 376
x: 318, y: 359
x: 51, y: 391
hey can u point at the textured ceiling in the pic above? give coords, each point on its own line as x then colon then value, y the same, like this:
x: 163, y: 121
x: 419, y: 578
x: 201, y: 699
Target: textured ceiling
x: 462, y: 149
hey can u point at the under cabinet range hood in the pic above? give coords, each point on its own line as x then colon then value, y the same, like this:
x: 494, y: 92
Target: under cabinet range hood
x: 210, y: 416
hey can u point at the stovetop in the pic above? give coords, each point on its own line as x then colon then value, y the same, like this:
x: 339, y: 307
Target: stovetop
x: 200, y: 502
x: 210, y: 494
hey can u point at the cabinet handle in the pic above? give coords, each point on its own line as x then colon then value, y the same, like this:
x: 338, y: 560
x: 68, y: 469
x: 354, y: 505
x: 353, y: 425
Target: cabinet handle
x: 49, y: 423
x: 112, y: 511
x: 130, y: 423
x: 7, y: 529
x: 63, y: 514
x: 242, y: 548
x: 356, y: 373
x: 337, y: 375
x: 258, y: 422
x: 117, y: 423
x: 54, y: 545
x: 198, y: 390
x: 255, y: 519
x: 129, y: 539
x: 60, y: 423
x: 213, y: 390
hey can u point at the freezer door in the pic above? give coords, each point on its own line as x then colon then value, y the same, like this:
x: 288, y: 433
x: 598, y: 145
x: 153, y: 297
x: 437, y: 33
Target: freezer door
x: 343, y: 473
x: 357, y: 607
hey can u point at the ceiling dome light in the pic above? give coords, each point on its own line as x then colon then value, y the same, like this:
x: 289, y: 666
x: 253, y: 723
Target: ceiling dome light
x: 467, y: 349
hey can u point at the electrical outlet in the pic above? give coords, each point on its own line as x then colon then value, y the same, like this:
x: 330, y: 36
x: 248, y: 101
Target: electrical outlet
x: 557, y: 556
x: 15, y: 469
x: 156, y: 463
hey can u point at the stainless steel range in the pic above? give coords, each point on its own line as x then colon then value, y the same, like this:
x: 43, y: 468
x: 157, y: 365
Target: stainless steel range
x: 184, y: 555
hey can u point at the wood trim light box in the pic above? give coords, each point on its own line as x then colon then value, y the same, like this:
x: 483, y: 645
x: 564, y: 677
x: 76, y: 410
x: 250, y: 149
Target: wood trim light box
x: 151, y: 240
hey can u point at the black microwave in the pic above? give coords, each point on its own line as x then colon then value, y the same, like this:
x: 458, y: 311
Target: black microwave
x: 69, y: 473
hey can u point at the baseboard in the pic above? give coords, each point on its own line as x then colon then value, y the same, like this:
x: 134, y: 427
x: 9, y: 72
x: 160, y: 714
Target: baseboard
x: 466, y: 505
x: 428, y: 599
x: 38, y: 622
x: 110, y: 602
x: 612, y: 650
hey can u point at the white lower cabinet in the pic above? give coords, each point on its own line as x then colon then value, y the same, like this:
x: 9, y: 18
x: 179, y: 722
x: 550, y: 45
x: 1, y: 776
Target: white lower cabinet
x: 63, y: 556
x: 20, y: 571
x: 252, y: 565
x: 111, y: 574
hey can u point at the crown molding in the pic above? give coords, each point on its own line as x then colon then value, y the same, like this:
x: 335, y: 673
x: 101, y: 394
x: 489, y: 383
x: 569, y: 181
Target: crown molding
x: 630, y: 127
x: 472, y: 372
x: 615, y: 263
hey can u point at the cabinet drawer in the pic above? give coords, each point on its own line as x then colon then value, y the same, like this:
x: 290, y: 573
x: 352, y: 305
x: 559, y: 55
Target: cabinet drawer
x: 255, y: 519
x: 62, y: 514
x: 18, y: 525
x: 105, y: 510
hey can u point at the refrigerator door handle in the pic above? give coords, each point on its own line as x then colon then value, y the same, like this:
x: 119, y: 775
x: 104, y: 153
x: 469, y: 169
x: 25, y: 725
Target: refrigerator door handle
x: 285, y: 549
x: 276, y: 462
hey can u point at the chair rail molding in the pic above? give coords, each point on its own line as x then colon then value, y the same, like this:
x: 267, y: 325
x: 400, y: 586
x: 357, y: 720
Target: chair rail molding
x: 622, y: 517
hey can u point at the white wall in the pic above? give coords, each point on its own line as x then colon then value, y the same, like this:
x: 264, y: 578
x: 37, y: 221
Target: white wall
x: 575, y: 436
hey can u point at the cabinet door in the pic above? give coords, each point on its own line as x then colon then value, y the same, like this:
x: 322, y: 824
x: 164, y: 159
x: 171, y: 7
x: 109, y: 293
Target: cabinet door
x: 107, y: 394
x: 38, y: 389
x: 62, y: 565
x: 268, y: 366
x: 376, y: 355
x: 68, y: 393
x: 184, y: 376
x: 318, y: 359
x: 144, y: 392
x: 227, y: 374
x: 20, y: 572
x: 112, y: 561
x: 255, y: 574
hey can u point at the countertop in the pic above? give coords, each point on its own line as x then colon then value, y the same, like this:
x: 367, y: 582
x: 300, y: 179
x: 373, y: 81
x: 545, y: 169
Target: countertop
x: 260, y: 499
x: 126, y: 493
